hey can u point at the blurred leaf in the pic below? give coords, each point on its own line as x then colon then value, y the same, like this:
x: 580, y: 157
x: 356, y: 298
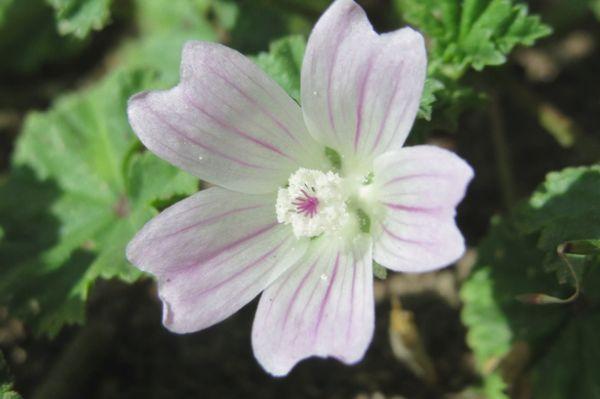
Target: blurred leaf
x: 463, y: 35
x: 432, y: 87
x: 6, y: 391
x: 379, y: 271
x: 565, y: 208
x: 29, y: 39
x: 513, y: 260
x: 283, y: 63
x: 595, y: 6
x: 569, y: 369
x: 168, y: 16
x: 263, y: 21
x: 472, y: 33
x: 226, y: 12
x: 164, y: 27
x: 86, y: 194
x: 80, y: 17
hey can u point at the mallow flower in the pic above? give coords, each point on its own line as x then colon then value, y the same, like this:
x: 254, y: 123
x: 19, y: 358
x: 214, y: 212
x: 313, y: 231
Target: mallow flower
x: 305, y: 197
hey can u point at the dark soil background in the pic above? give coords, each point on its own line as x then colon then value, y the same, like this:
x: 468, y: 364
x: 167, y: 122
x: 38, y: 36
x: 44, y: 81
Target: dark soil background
x: 124, y: 352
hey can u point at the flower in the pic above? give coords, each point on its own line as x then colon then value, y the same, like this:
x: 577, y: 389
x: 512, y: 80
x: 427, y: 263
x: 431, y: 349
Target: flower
x: 305, y: 198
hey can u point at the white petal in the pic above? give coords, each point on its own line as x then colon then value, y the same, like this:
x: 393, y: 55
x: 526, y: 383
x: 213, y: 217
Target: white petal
x: 212, y: 253
x: 323, y: 306
x: 360, y: 90
x: 419, y: 189
x: 227, y: 122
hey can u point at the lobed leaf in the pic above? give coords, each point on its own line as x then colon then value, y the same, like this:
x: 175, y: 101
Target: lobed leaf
x: 283, y: 63
x: 87, y: 191
x: 24, y: 50
x: 80, y: 17
x: 472, y: 33
x: 514, y: 260
x: 464, y: 35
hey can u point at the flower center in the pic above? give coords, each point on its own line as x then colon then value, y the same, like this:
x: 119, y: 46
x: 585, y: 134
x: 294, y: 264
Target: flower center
x: 313, y: 203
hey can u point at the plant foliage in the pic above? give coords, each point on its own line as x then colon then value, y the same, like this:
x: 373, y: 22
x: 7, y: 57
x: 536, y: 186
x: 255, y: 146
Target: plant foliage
x: 80, y: 17
x: 518, y: 257
x: 80, y: 190
x: 464, y: 35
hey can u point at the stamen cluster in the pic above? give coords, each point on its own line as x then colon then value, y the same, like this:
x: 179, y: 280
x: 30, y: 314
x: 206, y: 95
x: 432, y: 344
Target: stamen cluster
x: 314, y: 202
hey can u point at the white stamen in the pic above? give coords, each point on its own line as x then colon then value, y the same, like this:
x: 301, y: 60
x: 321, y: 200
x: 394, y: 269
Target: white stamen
x: 313, y: 203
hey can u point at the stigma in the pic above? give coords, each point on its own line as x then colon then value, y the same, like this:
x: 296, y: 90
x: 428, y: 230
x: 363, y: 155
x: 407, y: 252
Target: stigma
x: 313, y: 203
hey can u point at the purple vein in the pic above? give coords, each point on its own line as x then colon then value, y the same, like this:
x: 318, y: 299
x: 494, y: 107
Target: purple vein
x: 240, y: 272
x: 326, y: 297
x: 408, y: 177
x: 208, y: 221
x: 294, y: 297
x: 336, y: 50
x: 418, y: 209
x: 182, y: 134
x: 362, y: 90
x: 409, y: 241
x: 388, y: 110
x: 349, y: 329
x: 256, y: 103
x: 211, y: 255
x: 232, y: 128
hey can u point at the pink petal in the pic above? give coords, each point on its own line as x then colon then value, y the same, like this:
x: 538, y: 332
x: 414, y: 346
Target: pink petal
x: 419, y: 189
x: 212, y: 253
x: 323, y: 306
x: 361, y: 90
x: 227, y: 122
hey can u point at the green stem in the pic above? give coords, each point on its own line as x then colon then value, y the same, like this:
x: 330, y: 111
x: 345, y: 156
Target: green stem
x: 502, y: 154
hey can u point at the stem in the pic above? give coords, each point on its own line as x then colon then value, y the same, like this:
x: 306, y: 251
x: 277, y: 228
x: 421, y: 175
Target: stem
x: 502, y: 154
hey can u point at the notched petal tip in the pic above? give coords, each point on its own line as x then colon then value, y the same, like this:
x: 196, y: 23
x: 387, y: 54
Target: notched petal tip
x: 419, y: 232
x: 196, y: 53
x: 360, y: 89
x: 167, y: 316
x: 278, y: 367
x: 322, y: 307
x: 172, y: 320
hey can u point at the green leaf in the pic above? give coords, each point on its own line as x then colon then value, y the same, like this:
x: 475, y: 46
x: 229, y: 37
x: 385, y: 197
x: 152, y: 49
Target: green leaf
x: 565, y: 208
x: 432, y: 86
x: 379, y: 271
x: 25, y: 49
x: 471, y: 33
x: 595, y: 7
x: 164, y: 27
x: 569, y: 369
x: 78, y: 193
x: 463, y: 35
x: 6, y: 390
x: 263, y: 21
x: 513, y: 260
x: 80, y: 17
x: 283, y: 63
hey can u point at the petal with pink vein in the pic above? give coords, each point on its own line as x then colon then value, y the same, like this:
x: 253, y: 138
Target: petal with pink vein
x: 227, y: 122
x: 360, y: 90
x: 212, y: 253
x: 419, y: 189
x: 323, y: 306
